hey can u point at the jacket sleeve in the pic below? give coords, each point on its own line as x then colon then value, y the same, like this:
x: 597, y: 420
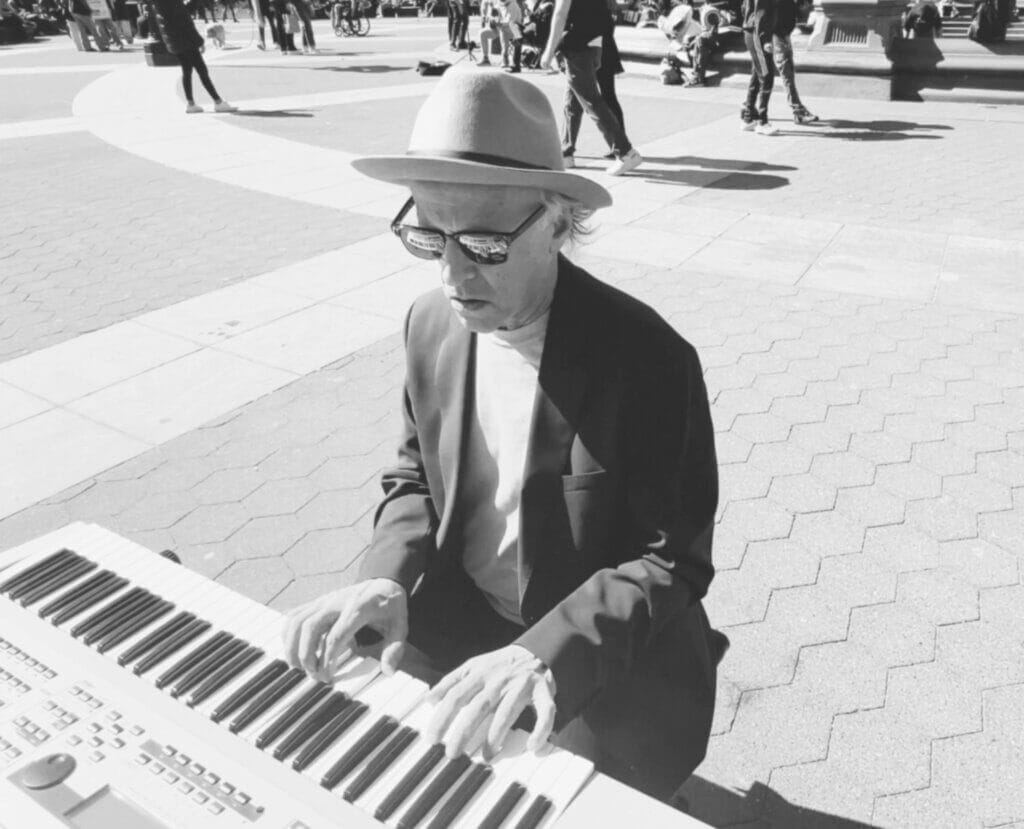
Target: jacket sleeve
x: 406, y: 521
x: 593, y: 638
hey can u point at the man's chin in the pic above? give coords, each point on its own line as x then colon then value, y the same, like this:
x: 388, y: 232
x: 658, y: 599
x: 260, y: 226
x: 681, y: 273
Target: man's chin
x: 478, y: 316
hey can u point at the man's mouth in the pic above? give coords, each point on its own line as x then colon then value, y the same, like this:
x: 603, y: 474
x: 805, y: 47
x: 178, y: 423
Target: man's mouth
x: 468, y: 303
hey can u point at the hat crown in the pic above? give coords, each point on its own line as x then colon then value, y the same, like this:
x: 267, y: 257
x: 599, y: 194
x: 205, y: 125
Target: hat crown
x: 488, y: 116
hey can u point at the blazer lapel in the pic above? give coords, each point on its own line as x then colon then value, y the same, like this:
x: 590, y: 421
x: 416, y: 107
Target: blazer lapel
x: 562, y: 382
x: 455, y: 388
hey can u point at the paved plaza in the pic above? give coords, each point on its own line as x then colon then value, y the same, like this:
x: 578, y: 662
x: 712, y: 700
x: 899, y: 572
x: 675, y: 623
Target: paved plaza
x: 200, y: 350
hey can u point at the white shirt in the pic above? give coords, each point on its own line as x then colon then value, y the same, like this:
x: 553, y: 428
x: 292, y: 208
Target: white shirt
x: 507, y: 363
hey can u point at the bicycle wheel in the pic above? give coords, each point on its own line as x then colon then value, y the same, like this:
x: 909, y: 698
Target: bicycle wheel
x: 361, y: 25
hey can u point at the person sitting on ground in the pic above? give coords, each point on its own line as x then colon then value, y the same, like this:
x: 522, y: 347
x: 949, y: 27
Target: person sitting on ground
x: 490, y: 38
x: 181, y: 38
x: 689, y: 43
x: 922, y: 19
x: 12, y: 28
x: 510, y: 27
x: 545, y: 532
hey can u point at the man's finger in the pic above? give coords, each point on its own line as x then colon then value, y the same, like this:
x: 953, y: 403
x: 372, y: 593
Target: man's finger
x: 311, y: 633
x: 454, y: 698
x: 447, y: 682
x: 337, y: 639
x: 468, y: 719
x: 394, y: 642
x: 544, y: 705
x: 292, y: 633
x: 391, y: 656
x: 514, y: 700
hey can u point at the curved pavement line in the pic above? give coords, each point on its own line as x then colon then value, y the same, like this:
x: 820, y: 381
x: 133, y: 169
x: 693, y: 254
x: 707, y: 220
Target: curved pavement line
x: 137, y: 109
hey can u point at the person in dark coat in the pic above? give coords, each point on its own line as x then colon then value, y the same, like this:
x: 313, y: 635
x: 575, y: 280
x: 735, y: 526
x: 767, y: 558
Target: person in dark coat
x: 611, y: 65
x: 181, y: 38
x: 782, y: 54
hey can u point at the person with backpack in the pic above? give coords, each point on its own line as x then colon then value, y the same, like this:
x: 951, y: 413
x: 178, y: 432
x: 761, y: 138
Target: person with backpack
x: 181, y: 38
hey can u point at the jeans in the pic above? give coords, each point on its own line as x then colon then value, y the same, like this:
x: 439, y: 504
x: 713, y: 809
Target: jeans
x: 582, y: 94
x: 302, y: 10
x: 458, y: 24
x: 782, y: 53
x: 87, y: 24
x: 762, y: 77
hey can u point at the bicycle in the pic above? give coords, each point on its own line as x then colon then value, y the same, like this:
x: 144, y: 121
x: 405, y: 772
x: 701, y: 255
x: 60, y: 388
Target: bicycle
x: 349, y: 23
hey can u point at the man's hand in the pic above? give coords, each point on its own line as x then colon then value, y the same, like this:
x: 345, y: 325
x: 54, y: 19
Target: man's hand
x: 546, y: 59
x: 319, y: 632
x: 489, y: 692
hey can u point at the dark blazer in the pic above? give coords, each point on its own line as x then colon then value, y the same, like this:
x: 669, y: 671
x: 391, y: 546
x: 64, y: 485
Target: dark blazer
x: 617, y: 511
x: 176, y: 27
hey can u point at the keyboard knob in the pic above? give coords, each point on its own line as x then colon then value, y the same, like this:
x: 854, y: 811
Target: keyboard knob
x: 47, y: 772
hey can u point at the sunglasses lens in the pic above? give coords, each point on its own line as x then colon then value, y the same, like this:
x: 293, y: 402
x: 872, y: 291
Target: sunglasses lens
x: 484, y: 249
x: 423, y: 243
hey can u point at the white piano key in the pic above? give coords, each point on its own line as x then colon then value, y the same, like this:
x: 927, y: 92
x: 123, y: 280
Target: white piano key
x: 513, y: 764
x: 372, y: 798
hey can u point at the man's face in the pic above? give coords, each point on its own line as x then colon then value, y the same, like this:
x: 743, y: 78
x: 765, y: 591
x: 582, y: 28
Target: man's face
x: 489, y: 297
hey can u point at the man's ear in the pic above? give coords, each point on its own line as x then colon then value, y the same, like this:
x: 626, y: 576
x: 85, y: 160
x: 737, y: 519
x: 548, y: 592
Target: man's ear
x: 560, y: 229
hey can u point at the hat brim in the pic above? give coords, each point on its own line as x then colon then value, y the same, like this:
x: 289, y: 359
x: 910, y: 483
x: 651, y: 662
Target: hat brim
x: 402, y: 169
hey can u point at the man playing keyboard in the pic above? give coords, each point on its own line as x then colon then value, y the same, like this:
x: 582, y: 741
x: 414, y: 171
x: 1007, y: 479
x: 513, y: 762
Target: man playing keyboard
x: 545, y: 534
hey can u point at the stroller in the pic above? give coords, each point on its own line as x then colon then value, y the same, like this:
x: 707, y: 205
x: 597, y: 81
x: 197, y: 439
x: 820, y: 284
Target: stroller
x: 536, y: 28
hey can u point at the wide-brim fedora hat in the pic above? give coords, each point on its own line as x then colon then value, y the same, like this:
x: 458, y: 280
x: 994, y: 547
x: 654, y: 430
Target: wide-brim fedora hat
x: 486, y: 127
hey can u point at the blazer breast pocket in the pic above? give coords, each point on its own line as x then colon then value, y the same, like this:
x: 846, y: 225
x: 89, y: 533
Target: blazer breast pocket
x: 588, y: 506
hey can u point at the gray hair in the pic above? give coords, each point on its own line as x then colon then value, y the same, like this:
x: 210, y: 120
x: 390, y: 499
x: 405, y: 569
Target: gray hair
x: 577, y: 216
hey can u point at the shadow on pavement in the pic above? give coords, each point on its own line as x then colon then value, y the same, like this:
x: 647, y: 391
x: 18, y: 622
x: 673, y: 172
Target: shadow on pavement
x: 719, y: 163
x: 275, y: 113
x: 717, y: 806
x: 872, y: 130
x: 722, y: 180
x: 364, y: 70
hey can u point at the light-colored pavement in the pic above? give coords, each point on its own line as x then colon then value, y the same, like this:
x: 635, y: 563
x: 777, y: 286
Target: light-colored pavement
x: 852, y: 291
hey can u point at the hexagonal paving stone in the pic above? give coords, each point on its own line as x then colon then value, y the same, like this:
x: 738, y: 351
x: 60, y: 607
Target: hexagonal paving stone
x: 259, y: 579
x: 292, y: 462
x: 901, y: 548
x: 909, y: 481
x: 327, y: 551
x: 780, y: 458
x: 802, y: 493
x: 870, y: 506
x: 978, y: 493
x: 265, y: 536
x: 209, y: 524
x: 827, y: 533
x: 758, y: 519
x: 281, y: 497
x: 228, y: 486
x: 943, y: 518
x: 157, y: 512
x: 304, y: 589
x: 937, y: 598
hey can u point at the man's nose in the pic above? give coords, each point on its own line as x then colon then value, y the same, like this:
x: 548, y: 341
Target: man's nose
x: 457, y: 268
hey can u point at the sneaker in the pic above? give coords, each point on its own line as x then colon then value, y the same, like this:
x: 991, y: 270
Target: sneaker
x: 224, y: 106
x: 608, y: 156
x: 630, y: 161
x: 767, y: 128
x: 192, y: 109
x: 484, y: 62
x: 748, y: 126
x: 569, y: 162
x: 513, y: 70
x: 804, y: 117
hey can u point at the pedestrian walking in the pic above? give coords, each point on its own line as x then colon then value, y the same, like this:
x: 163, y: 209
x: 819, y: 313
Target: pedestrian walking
x: 758, y: 29
x: 228, y: 6
x: 578, y: 28
x: 103, y: 17
x: 182, y: 39
x: 306, y: 18
x: 782, y: 54
x: 81, y: 13
x: 458, y: 24
x: 611, y: 65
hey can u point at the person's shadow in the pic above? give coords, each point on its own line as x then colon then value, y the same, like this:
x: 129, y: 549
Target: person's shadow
x: 719, y: 806
x: 274, y: 113
x: 839, y: 128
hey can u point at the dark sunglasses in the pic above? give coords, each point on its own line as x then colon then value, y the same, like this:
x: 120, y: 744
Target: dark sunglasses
x: 485, y: 247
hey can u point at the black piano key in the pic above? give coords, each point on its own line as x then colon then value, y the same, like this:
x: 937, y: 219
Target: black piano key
x: 359, y: 751
x: 503, y: 808
x: 115, y: 620
x: 333, y: 704
x: 223, y: 675
x: 60, y: 579
x: 535, y: 814
x: 435, y: 790
x: 178, y: 640
x: 207, y: 665
x: 193, y: 658
x: 267, y: 699
x: 296, y: 710
x: 133, y: 625
x: 43, y: 577
x: 112, y: 609
x: 75, y: 593
x: 381, y: 763
x: 253, y: 687
x: 407, y: 784
x: 93, y: 597
x: 186, y: 635
x: 47, y: 565
x: 158, y: 636
x: 330, y: 733
x: 454, y: 805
